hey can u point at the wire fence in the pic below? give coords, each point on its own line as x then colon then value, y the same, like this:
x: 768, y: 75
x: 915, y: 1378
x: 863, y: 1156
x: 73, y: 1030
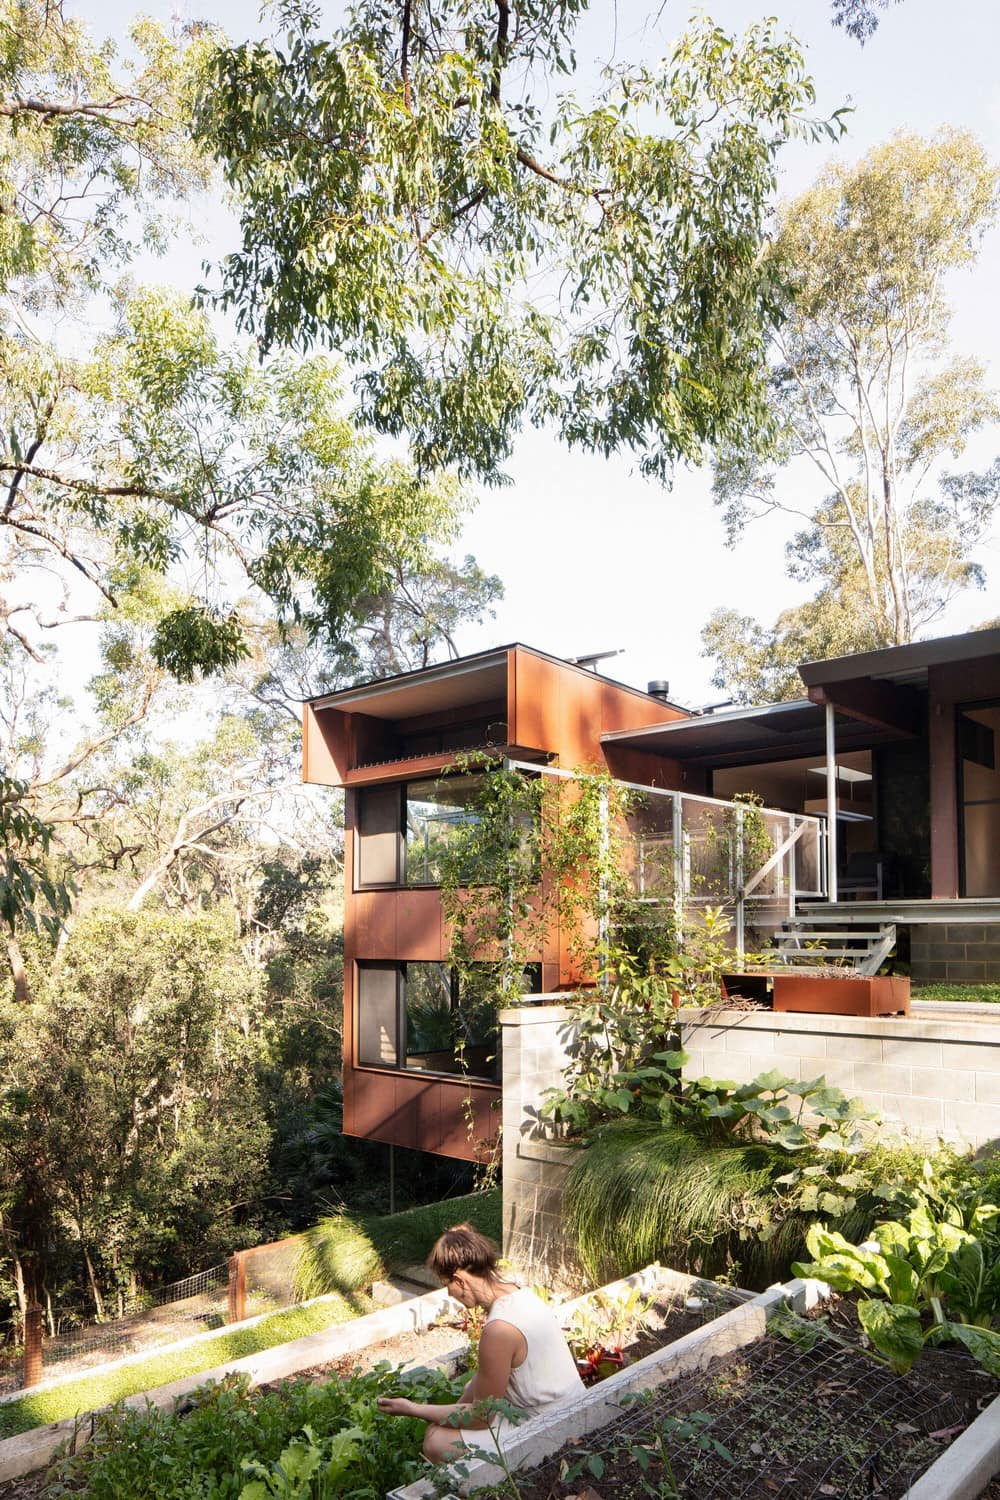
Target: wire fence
x: 250, y: 1282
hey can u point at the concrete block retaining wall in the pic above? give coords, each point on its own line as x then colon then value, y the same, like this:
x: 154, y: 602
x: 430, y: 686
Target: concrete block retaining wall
x: 931, y: 1077
x: 927, y: 1077
x: 959, y: 952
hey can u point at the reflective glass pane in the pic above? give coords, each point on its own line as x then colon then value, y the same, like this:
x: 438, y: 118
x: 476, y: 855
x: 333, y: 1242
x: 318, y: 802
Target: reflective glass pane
x: 437, y: 813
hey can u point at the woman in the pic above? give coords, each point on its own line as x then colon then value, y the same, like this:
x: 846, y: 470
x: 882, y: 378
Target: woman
x: 523, y: 1357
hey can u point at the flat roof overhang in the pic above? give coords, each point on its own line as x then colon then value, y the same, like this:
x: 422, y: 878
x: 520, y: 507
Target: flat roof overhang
x: 904, y: 665
x: 753, y: 736
x: 451, y: 684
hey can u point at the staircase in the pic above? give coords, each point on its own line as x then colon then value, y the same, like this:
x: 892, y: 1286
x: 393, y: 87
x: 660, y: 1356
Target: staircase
x: 807, y: 941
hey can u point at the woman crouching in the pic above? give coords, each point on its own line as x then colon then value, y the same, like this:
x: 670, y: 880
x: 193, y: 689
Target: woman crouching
x: 523, y: 1357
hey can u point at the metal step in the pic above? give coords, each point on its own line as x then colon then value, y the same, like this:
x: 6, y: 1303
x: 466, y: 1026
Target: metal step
x: 864, y: 949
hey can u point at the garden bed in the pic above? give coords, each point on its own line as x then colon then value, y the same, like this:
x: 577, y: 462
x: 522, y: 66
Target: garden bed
x: 655, y: 1321
x: 777, y: 1419
x: 761, y: 1404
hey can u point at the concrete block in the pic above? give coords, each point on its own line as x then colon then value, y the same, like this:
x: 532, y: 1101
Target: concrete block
x: 975, y: 1123
x: 839, y: 1075
x: 915, y: 1051
x: 854, y: 1048
x: 982, y: 1057
x: 965, y: 973
x: 961, y: 932
x: 877, y: 1077
x: 943, y: 1083
x: 928, y: 971
x: 987, y: 1087
x: 925, y: 1116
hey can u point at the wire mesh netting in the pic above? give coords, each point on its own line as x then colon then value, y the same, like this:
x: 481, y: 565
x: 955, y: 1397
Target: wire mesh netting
x: 198, y: 1301
x: 778, y: 1420
x: 270, y: 1274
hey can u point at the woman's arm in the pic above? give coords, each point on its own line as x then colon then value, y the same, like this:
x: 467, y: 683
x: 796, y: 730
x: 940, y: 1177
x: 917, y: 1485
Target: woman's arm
x: 498, y: 1348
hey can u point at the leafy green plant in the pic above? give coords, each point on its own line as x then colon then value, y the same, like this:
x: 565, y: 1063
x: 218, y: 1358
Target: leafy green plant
x: 305, y: 1470
x: 925, y: 1280
x: 599, y: 1331
x: 301, y: 1439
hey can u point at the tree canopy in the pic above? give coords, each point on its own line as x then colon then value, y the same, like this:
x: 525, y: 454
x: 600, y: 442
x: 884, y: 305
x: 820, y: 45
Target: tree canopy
x: 867, y: 404
x: 485, y: 249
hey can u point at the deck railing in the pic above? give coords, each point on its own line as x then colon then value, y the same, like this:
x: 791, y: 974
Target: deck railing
x: 694, y: 851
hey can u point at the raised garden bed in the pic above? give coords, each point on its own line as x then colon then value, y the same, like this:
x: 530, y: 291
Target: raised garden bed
x: 739, y: 1411
x: 777, y: 1419
x: 424, y: 1331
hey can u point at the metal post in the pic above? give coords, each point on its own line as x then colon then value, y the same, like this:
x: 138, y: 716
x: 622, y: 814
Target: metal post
x: 831, y: 806
x: 677, y: 839
x: 738, y: 873
x: 603, y: 916
x: 392, y: 1179
x: 793, y: 823
x: 32, y: 1345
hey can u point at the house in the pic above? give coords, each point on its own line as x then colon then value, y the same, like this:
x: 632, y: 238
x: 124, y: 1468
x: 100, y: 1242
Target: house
x: 883, y: 779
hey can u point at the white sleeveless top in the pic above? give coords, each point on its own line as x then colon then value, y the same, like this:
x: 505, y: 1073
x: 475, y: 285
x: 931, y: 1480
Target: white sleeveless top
x: 549, y: 1372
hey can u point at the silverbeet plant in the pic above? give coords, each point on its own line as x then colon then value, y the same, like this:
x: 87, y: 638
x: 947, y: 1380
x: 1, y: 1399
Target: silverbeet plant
x: 924, y: 1281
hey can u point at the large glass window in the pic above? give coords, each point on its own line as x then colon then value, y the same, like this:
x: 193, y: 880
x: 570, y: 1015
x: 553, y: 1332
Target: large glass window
x: 437, y: 814
x: 417, y: 1016
x: 406, y: 832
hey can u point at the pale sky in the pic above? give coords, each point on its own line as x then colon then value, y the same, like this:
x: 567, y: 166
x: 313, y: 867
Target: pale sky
x: 593, y: 557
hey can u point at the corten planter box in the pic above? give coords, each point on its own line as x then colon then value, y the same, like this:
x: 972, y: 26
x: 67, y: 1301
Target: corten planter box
x: 822, y: 994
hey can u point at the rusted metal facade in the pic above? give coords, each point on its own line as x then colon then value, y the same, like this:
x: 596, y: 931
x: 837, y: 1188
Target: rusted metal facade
x: 548, y: 710
x: 908, y: 706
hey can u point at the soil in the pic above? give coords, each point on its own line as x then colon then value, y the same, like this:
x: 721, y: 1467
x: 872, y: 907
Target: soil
x: 664, y: 1320
x: 779, y: 1421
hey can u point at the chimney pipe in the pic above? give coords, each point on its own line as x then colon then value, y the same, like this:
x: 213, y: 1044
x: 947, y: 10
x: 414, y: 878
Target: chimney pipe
x: 659, y: 688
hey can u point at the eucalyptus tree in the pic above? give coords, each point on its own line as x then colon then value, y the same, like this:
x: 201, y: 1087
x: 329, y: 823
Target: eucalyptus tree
x: 487, y: 250
x: 866, y: 397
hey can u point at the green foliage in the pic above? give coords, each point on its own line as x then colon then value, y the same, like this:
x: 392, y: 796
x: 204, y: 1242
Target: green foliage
x: 489, y: 869
x: 642, y: 1192
x: 95, y: 1390
x: 89, y: 149
x: 29, y: 893
x: 860, y: 386
x: 400, y: 198
x: 233, y: 1438
x: 711, y: 1175
x: 344, y: 1252
x: 980, y: 994
x: 196, y: 639
x: 929, y: 1278
x: 130, y: 1115
x: 305, y: 1470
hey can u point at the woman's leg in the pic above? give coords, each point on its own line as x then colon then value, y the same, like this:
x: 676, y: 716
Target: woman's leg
x: 442, y: 1444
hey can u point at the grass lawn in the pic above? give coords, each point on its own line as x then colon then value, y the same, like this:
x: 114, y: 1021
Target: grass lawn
x: 983, y: 994
x: 343, y: 1253
x: 96, y: 1390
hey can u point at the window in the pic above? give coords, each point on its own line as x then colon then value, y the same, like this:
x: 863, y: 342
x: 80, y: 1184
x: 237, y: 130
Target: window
x: 416, y: 1017
x: 380, y: 836
x: 437, y: 812
x: 403, y: 831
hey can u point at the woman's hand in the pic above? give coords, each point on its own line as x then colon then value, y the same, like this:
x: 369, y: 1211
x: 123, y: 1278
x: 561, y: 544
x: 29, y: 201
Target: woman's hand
x: 397, y: 1406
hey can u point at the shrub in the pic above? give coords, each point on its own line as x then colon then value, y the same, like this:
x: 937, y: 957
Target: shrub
x: 345, y: 1252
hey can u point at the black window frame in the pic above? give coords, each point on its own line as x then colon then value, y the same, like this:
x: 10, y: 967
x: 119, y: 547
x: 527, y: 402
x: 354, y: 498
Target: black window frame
x: 401, y: 1020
